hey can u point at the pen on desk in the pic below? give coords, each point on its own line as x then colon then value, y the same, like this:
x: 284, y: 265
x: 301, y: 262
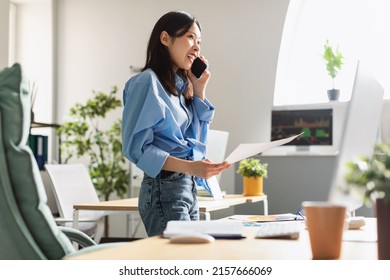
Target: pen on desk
x: 226, y: 236
x: 299, y: 215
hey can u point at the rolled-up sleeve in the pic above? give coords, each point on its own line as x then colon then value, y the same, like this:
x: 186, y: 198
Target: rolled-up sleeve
x: 142, y: 112
x: 204, y: 109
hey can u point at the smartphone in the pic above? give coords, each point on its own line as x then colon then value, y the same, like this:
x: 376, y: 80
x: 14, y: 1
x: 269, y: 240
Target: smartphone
x: 198, y: 67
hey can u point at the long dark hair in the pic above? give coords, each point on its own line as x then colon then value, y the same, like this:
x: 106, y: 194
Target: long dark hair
x: 176, y: 24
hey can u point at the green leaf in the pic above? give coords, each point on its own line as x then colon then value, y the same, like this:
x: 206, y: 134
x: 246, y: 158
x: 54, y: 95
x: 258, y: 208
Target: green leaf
x: 373, y: 173
x: 333, y: 59
x: 252, y: 167
x: 81, y: 135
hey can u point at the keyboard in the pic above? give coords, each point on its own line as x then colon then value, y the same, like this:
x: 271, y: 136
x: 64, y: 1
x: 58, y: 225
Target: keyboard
x: 283, y: 230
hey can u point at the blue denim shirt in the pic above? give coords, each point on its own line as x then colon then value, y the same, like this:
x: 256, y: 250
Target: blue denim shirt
x: 156, y: 124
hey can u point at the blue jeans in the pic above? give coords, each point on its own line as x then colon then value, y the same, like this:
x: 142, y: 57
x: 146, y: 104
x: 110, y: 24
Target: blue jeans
x: 169, y: 196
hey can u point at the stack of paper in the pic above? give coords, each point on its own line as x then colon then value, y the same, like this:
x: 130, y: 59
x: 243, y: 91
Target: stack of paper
x: 267, y: 218
x: 218, y: 229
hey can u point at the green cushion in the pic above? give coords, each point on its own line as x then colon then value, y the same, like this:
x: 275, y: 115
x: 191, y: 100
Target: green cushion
x: 14, y: 97
x: 16, y: 242
x: 23, y: 171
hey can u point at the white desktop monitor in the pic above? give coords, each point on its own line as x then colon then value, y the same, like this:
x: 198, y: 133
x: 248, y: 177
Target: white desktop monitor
x: 360, y: 134
x: 319, y: 123
x: 315, y: 124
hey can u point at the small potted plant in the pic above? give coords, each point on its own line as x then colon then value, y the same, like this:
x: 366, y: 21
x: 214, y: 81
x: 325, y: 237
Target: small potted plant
x: 334, y: 62
x: 253, y: 173
x: 372, y: 176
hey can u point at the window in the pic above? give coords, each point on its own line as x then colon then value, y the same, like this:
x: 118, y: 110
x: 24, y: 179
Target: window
x: 356, y: 27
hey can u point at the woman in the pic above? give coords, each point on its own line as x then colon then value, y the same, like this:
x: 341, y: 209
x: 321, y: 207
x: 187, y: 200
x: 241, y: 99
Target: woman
x: 165, y: 123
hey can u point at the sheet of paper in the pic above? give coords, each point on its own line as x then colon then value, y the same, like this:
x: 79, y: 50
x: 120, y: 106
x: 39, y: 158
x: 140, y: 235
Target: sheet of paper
x: 216, y: 228
x: 244, y: 151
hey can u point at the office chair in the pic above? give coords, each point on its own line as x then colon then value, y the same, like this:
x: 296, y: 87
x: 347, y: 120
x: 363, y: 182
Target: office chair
x: 27, y: 227
x: 72, y: 185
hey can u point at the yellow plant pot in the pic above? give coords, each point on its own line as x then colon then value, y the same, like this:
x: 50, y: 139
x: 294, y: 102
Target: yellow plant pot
x: 253, y: 186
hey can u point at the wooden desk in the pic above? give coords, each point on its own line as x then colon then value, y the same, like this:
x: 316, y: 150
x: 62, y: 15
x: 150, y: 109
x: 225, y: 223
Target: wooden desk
x: 206, y: 205
x: 358, y: 244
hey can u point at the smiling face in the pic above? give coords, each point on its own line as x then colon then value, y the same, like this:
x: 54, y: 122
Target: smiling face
x: 183, y: 50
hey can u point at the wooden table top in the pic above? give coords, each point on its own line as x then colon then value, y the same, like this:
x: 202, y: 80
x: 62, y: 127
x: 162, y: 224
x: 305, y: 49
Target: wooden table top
x: 357, y: 244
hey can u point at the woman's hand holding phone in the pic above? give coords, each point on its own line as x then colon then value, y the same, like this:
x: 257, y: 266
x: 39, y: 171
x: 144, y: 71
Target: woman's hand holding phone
x: 198, y: 67
x: 199, y: 76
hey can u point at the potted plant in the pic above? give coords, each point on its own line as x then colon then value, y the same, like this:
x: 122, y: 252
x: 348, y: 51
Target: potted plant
x: 253, y: 173
x: 82, y: 136
x: 334, y: 62
x: 372, y: 176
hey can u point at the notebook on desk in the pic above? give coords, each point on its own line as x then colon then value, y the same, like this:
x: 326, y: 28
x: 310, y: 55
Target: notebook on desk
x: 266, y: 218
x: 223, y: 229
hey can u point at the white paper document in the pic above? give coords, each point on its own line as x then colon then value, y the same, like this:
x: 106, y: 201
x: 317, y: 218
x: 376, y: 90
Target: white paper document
x: 216, y: 228
x: 244, y: 151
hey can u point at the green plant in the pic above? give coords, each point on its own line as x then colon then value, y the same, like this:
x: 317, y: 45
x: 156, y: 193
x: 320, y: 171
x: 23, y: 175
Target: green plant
x: 334, y: 60
x: 252, y: 167
x: 82, y: 135
x: 372, y: 175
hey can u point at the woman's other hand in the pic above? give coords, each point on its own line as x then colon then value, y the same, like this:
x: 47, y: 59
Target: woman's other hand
x: 206, y: 169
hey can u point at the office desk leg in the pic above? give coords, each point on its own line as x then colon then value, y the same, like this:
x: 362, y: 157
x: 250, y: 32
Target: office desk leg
x: 76, y: 219
x: 76, y: 225
x: 132, y: 225
x: 206, y: 216
x: 265, y: 201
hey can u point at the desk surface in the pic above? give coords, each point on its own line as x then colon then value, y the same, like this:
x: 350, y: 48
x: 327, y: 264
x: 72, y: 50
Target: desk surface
x: 357, y: 244
x: 205, y: 204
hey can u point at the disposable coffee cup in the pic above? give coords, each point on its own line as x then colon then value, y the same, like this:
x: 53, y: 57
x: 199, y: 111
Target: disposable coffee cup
x: 325, y: 223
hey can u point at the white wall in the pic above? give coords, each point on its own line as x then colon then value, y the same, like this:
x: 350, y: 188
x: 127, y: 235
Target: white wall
x: 99, y: 39
x: 33, y: 40
x: 4, y: 29
x: 34, y: 51
x: 385, y: 127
